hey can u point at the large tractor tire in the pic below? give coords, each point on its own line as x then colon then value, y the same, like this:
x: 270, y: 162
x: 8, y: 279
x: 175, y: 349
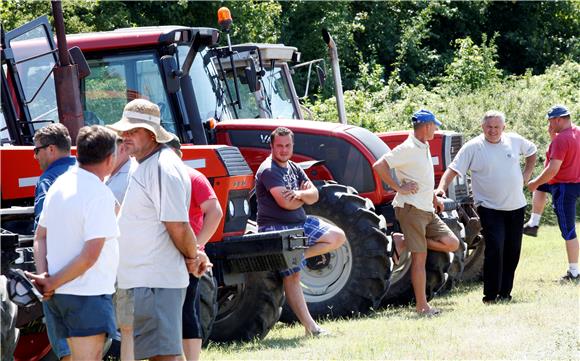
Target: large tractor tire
x: 9, y: 314
x: 401, y: 290
x: 208, y: 293
x: 248, y: 311
x: 474, y: 255
x: 455, y: 273
x: 352, y: 279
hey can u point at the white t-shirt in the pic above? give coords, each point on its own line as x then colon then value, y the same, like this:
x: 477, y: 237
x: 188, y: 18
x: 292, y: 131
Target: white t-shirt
x: 496, y: 175
x: 159, y: 191
x: 411, y: 161
x: 79, y: 207
x: 119, y: 181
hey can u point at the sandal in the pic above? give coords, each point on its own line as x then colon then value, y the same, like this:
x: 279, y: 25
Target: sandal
x: 430, y: 312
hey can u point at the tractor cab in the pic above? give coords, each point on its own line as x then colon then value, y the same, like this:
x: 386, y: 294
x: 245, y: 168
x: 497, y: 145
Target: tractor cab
x: 265, y: 89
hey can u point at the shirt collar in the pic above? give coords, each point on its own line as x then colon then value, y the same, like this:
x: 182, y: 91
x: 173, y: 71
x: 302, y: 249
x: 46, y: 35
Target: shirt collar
x: 418, y: 143
x: 66, y: 160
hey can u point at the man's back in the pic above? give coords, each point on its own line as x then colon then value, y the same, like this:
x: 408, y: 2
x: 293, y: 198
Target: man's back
x: 47, y: 178
x: 78, y: 208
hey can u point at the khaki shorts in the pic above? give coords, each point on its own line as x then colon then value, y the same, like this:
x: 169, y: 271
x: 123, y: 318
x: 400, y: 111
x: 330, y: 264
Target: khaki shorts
x: 418, y: 225
x: 124, y: 307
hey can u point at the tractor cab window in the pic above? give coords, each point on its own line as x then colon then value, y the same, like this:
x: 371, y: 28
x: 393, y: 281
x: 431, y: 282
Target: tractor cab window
x: 116, y: 80
x: 35, y: 60
x: 4, y: 136
x: 209, y: 96
x: 272, y: 99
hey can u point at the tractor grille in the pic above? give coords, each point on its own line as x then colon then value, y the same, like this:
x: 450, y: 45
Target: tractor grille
x: 267, y: 251
x: 233, y: 161
x: 456, y: 143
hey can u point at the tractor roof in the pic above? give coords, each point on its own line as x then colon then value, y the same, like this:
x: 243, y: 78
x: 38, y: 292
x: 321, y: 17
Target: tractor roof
x: 268, y: 52
x: 141, y: 37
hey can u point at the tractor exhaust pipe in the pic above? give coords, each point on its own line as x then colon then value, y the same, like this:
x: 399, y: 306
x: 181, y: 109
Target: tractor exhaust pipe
x: 66, y: 79
x: 333, y: 53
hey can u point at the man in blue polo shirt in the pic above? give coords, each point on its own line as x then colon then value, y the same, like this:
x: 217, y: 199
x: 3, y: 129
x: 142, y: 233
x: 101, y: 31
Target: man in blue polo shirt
x: 52, y: 152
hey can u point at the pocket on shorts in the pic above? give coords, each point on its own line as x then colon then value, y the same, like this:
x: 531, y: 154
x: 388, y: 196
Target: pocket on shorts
x: 144, y: 318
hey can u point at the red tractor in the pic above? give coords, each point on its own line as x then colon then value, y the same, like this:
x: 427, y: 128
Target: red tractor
x: 250, y: 291
x: 351, y: 280
x: 217, y: 99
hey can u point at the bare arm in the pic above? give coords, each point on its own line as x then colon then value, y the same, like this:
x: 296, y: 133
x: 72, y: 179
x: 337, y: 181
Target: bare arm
x: 212, y: 215
x: 547, y: 174
x: 382, y: 168
x: 294, y: 199
x: 75, y: 268
x: 40, y: 250
x: 446, y: 179
x: 529, y: 167
x: 183, y: 238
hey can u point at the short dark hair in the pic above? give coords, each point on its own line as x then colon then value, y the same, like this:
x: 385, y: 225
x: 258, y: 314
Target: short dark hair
x: 95, y: 144
x: 281, y: 131
x: 55, y: 134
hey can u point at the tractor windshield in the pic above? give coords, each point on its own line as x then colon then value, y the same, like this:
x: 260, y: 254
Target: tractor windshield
x: 271, y: 99
x: 118, y: 79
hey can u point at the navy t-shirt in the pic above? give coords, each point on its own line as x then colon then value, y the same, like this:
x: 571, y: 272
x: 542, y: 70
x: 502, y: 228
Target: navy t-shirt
x: 271, y: 175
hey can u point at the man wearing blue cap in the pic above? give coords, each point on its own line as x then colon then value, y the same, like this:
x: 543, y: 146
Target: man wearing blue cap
x: 562, y: 173
x: 415, y: 202
x: 493, y: 159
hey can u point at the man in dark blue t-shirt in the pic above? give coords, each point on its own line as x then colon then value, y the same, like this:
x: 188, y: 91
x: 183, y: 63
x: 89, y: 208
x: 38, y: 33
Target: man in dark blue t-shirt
x: 282, y: 188
x: 52, y: 152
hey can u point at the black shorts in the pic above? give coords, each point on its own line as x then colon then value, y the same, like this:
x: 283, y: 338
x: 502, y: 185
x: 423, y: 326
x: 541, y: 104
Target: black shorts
x: 191, y: 310
x: 546, y: 188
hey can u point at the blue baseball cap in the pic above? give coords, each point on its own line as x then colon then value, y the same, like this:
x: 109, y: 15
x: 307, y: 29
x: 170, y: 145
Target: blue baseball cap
x: 557, y: 111
x: 425, y: 116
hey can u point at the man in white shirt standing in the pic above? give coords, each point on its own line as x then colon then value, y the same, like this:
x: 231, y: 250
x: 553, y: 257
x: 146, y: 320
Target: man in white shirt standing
x: 415, y: 201
x: 76, y: 251
x: 157, y: 244
x: 497, y: 180
x: 124, y: 167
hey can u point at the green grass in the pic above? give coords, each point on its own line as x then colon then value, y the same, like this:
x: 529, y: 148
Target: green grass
x: 542, y: 322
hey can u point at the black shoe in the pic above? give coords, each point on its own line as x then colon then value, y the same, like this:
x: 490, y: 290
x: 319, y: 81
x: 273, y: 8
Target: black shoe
x: 531, y: 231
x: 489, y: 300
x: 569, y: 278
x: 505, y: 299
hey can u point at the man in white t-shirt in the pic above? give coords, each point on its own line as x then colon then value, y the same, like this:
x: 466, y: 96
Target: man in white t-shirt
x: 76, y: 251
x: 415, y: 200
x: 497, y: 180
x: 124, y: 167
x: 157, y: 244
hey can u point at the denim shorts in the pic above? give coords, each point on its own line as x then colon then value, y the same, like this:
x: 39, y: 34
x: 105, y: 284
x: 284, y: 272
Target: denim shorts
x: 80, y: 316
x: 314, y: 228
x: 59, y: 345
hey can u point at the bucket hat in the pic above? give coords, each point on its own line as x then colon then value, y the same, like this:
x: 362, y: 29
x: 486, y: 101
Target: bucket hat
x: 141, y: 113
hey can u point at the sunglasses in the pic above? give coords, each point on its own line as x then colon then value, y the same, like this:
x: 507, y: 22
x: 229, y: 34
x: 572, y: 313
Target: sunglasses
x: 37, y: 149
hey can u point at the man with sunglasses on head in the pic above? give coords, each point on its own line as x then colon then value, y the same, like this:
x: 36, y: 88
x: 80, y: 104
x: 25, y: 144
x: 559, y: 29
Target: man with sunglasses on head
x: 52, y: 152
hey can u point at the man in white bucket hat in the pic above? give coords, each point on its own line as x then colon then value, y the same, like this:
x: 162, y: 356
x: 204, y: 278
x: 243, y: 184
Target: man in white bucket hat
x: 157, y: 244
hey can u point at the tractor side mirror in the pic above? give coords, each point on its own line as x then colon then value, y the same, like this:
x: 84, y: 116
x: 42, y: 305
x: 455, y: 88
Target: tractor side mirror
x: 171, y: 73
x: 252, y: 77
x: 78, y: 58
x: 321, y: 76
